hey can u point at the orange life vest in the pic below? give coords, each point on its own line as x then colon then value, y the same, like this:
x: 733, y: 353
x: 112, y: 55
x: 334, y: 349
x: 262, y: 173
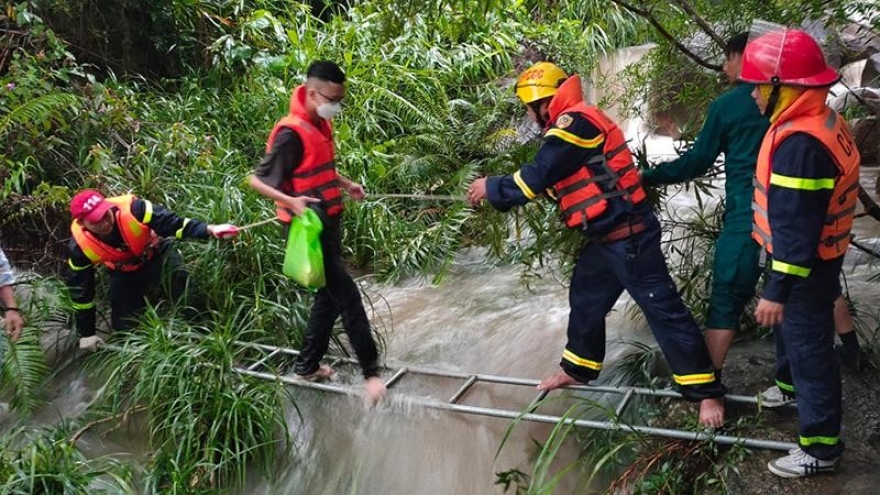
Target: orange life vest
x: 811, y: 115
x: 584, y: 195
x: 316, y: 174
x: 140, y: 240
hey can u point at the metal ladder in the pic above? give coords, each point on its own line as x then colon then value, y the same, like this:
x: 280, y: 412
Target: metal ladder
x: 454, y: 402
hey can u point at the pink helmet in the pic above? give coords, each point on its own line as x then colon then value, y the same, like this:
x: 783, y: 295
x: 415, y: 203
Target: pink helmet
x: 788, y: 56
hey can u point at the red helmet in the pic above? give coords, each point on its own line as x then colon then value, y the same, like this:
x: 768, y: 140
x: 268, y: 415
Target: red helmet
x: 787, y: 56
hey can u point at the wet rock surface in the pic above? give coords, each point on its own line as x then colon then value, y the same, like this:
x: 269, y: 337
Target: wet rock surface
x: 748, y: 371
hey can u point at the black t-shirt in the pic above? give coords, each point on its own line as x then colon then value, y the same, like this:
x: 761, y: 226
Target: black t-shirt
x: 276, y: 167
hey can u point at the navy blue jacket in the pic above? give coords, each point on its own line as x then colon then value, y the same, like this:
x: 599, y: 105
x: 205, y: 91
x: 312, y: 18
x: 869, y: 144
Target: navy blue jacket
x: 555, y: 160
x: 797, y: 216
x: 81, y: 281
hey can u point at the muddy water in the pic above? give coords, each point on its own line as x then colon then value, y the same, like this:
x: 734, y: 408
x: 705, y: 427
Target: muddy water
x: 480, y: 320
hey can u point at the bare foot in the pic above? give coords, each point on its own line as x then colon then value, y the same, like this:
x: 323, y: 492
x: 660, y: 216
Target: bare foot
x: 374, y: 390
x: 712, y: 412
x: 556, y: 380
x: 323, y: 373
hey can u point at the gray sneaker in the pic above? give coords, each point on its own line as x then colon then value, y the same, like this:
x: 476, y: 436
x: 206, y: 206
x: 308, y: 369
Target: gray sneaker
x: 799, y: 464
x: 775, y: 397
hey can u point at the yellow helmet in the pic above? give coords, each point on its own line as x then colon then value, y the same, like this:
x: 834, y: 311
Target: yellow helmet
x: 539, y: 81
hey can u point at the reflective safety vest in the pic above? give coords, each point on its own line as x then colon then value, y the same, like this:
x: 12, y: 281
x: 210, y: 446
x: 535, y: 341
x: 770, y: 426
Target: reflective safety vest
x: 140, y: 240
x: 834, y: 134
x: 316, y: 174
x: 584, y: 195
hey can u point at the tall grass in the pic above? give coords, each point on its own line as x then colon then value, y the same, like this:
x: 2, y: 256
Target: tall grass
x: 206, y: 423
x: 45, y: 461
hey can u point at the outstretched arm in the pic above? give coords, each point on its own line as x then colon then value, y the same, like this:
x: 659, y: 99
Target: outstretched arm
x: 697, y: 160
x: 564, y: 150
x: 355, y: 191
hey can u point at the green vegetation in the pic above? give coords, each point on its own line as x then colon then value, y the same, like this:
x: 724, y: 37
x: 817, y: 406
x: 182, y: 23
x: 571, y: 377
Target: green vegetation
x: 174, y: 100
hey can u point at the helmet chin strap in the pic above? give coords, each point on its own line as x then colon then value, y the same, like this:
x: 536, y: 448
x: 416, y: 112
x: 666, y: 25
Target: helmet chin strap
x: 773, y: 99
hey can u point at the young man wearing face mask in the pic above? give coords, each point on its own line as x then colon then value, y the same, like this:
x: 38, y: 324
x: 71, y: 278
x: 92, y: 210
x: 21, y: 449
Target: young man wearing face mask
x: 584, y: 164
x: 128, y: 235
x: 298, y: 172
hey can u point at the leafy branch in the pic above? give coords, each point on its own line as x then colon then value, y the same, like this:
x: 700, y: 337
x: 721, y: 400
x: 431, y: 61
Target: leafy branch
x: 648, y: 15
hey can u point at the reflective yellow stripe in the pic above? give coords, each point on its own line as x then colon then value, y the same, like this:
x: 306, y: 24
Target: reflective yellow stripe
x: 695, y: 379
x: 82, y: 306
x: 148, y: 212
x: 91, y: 254
x: 576, y: 140
x: 523, y: 186
x: 800, y: 271
x: 807, y: 441
x: 135, y: 227
x: 801, y: 183
x: 179, y: 233
x: 74, y: 267
x: 785, y: 386
x: 579, y: 361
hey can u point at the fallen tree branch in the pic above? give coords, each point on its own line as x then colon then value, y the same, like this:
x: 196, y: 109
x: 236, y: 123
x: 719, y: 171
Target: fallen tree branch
x: 872, y: 209
x: 864, y: 248
x: 92, y: 424
x: 648, y: 16
x: 702, y: 23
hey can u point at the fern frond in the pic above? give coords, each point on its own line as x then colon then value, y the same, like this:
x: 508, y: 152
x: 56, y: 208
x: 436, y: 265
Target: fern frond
x: 37, y: 111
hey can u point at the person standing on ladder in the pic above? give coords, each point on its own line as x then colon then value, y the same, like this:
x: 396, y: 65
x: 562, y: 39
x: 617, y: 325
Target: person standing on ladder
x: 585, y: 165
x: 806, y: 186
x: 734, y: 126
x: 129, y: 236
x: 298, y: 172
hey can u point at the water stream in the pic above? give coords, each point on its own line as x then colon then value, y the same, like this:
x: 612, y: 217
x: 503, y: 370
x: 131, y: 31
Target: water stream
x: 481, y: 319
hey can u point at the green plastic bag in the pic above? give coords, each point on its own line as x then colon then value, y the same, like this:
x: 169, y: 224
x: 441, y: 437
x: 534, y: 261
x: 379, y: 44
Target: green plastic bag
x: 304, y: 259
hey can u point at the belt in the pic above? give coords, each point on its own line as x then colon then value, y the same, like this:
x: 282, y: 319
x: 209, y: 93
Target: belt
x: 631, y: 227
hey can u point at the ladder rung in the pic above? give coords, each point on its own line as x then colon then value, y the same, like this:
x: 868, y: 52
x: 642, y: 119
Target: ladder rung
x: 396, y: 377
x: 537, y: 402
x: 464, y: 388
x: 263, y: 361
x: 624, y: 402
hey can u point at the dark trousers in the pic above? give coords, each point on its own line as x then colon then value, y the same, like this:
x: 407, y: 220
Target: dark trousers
x: 805, y: 360
x: 339, y: 297
x: 128, y: 290
x: 636, y: 264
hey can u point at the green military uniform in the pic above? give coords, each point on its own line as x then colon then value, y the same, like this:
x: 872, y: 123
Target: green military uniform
x: 734, y: 126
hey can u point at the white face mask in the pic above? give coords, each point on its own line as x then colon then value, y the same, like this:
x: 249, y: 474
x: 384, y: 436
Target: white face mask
x: 329, y: 110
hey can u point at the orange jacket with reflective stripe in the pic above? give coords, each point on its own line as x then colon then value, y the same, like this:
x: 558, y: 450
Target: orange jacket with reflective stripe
x: 811, y: 115
x: 140, y: 240
x: 580, y: 196
x: 316, y: 174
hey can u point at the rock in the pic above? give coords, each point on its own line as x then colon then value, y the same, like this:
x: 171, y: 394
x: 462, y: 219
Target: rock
x: 860, y: 42
x: 867, y: 135
x: 869, y: 97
